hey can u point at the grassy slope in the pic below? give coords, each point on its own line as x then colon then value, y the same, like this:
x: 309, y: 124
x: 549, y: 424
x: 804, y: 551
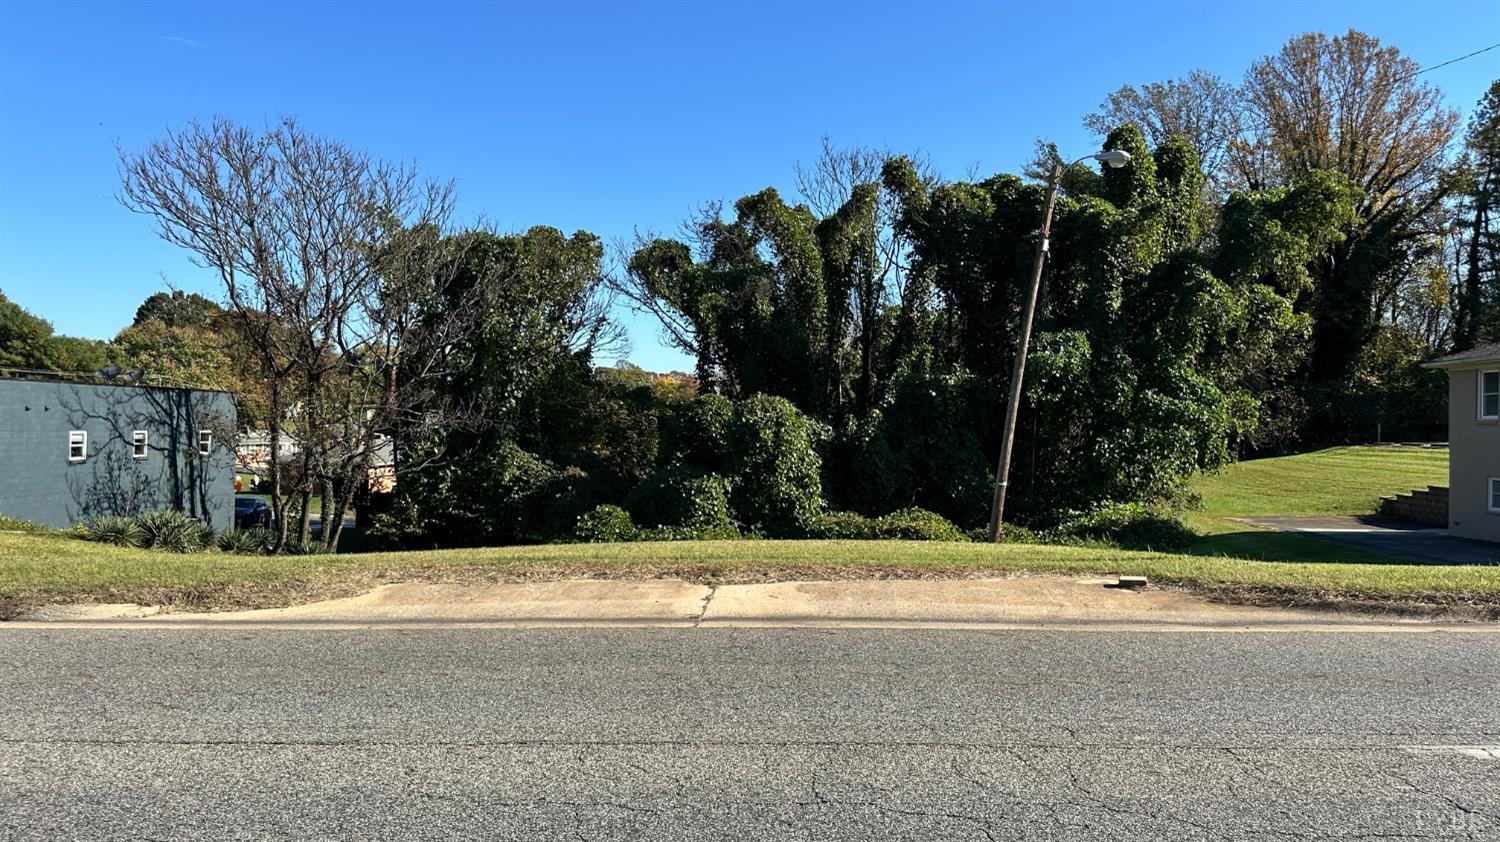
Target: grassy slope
x: 1335, y: 481
x: 43, y: 567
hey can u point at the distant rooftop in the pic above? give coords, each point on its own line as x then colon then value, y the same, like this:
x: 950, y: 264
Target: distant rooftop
x: 1483, y: 354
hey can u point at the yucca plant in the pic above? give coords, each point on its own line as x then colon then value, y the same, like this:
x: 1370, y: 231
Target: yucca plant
x: 114, y: 529
x: 173, y: 532
x: 207, y: 537
x: 246, y: 542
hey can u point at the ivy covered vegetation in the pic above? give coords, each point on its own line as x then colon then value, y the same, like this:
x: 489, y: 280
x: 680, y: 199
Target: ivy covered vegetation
x: 1265, y: 274
x: 827, y: 404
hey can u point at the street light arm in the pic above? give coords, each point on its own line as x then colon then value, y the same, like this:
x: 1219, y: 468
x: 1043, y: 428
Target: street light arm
x: 1113, y: 158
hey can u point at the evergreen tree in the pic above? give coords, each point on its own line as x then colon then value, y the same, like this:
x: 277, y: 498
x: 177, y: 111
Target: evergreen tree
x: 1476, y: 316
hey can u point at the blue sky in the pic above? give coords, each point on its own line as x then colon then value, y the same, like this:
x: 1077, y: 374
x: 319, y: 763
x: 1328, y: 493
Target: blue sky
x: 609, y: 117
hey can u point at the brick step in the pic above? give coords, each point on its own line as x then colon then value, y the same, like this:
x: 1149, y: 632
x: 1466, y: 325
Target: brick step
x: 1427, y: 506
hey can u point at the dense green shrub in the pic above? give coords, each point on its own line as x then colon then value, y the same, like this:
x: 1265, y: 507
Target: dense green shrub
x: 173, y: 532
x: 610, y: 523
x: 679, y: 496
x: 775, y: 464
x: 563, y: 499
x: 1129, y: 525
x: 114, y: 529
x: 697, y: 432
x: 604, y: 524
x: 914, y: 524
x: 922, y: 449
x: 496, y: 494
x: 909, y: 524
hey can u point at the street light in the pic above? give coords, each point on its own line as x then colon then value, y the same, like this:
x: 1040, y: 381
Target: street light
x: 1114, y: 158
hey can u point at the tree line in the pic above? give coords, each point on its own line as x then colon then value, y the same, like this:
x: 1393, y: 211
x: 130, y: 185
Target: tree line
x: 1266, y: 273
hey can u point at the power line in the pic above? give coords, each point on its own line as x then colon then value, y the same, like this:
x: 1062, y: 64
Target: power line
x: 1453, y: 60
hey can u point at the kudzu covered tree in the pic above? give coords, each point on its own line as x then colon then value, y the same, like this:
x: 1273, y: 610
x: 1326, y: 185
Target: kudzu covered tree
x: 1136, y: 380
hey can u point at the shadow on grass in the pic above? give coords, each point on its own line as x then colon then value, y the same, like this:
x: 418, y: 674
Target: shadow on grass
x: 1282, y: 546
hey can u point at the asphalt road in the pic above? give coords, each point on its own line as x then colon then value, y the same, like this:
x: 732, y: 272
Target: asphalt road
x: 740, y: 734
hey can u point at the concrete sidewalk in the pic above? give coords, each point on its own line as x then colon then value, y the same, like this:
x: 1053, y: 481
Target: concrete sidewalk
x: 1000, y: 603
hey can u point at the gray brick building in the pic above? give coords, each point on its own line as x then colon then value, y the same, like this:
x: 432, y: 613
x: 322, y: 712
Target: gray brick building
x: 70, y: 450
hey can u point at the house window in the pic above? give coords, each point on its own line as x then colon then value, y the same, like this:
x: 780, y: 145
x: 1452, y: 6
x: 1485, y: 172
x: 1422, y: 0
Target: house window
x: 1495, y: 495
x: 1489, y: 395
x: 78, y: 446
x: 205, y: 442
x: 138, y: 444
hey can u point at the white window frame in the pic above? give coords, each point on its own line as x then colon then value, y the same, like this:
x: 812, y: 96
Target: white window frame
x: 80, y: 440
x: 1479, y: 397
x: 1492, y: 490
x: 140, y: 444
x: 205, y: 442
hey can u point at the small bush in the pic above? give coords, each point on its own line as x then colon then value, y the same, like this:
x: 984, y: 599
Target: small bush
x: 914, y: 524
x: 604, y: 524
x: 842, y: 526
x: 1128, y: 525
x: 173, y: 532
x: 13, y: 524
x: 114, y: 529
x: 1009, y: 532
x: 248, y: 541
x: 689, y: 533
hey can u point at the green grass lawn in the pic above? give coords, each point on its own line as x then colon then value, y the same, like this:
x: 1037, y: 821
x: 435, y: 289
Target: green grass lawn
x: 1231, y: 560
x: 1335, y: 481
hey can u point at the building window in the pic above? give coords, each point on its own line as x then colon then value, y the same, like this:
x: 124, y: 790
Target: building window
x: 1495, y: 495
x: 1489, y: 395
x: 78, y: 446
x: 138, y: 444
x: 205, y: 442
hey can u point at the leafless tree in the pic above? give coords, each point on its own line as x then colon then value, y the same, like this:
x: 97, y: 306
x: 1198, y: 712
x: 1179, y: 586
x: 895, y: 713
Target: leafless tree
x: 1202, y: 108
x: 828, y: 183
x: 303, y: 232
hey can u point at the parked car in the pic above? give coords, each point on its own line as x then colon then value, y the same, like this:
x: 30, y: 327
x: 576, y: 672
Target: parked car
x: 250, y: 512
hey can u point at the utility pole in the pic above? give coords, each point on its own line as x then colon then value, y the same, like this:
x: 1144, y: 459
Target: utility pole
x: 1114, y: 158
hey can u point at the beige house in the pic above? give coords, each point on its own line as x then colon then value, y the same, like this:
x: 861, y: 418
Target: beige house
x: 1473, y: 442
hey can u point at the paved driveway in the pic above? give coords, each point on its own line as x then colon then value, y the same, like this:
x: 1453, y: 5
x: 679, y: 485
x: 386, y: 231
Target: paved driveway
x: 1420, y: 544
